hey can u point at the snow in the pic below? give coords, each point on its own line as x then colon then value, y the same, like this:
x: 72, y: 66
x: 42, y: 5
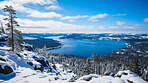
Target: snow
x: 22, y: 72
x: 29, y: 38
x: 26, y: 73
x: 2, y: 36
x: 5, y: 48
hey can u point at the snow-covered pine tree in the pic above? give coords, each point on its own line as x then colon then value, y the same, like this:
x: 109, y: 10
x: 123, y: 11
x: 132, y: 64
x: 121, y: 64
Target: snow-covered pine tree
x: 134, y: 66
x: 2, y: 29
x: 14, y: 35
x: 45, y: 51
x: 89, y: 66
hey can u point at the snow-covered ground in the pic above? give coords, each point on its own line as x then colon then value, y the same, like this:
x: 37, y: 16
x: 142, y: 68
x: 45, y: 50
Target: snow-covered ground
x: 27, y: 69
x: 25, y: 73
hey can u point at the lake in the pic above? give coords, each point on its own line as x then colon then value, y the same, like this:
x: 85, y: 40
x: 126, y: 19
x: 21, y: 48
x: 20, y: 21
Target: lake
x: 87, y: 47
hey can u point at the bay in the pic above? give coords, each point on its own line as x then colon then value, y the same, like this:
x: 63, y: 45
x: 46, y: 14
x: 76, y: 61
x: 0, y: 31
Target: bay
x: 85, y: 48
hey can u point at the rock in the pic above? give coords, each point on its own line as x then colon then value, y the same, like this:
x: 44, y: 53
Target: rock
x: 88, y: 79
x: 42, y: 62
x: 71, y: 80
x: 106, y: 73
x: 118, y: 76
x: 30, y: 63
x: 1, y: 69
x: 29, y: 48
x: 130, y: 81
x: 18, y: 55
x: 41, y: 68
x: 7, y: 70
x: 34, y: 57
x: 2, y: 59
x: 25, y: 54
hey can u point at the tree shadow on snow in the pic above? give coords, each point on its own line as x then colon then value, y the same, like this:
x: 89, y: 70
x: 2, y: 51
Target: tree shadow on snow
x: 8, y: 76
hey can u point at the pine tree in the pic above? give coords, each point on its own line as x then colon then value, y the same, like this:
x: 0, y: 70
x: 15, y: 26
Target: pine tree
x: 134, y: 67
x: 2, y: 29
x: 14, y: 35
x: 89, y: 66
x: 45, y: 51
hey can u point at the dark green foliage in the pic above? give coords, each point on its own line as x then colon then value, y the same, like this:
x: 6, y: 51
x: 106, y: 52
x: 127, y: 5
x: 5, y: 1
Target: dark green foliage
x: 134, y: 67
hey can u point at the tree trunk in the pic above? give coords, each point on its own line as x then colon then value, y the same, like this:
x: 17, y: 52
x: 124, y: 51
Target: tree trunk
x: 12, y: 33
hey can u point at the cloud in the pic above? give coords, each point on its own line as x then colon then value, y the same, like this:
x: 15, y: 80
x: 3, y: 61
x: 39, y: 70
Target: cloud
x: 51, y: 26
x: 19, y: 6
x: 145, y: 20
x: 119, y: 23
x: 22, y: 2
x: 53, y: 7
x: 71, y: 18
x: 38, y: 14
x: 119, y: 15
x: 95, y: 18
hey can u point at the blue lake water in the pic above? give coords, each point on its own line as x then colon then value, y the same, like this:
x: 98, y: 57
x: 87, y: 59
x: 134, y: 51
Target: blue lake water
x: 87, y: 47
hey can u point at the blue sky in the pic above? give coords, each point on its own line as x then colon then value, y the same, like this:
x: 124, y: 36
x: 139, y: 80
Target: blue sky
x: 79, y: 16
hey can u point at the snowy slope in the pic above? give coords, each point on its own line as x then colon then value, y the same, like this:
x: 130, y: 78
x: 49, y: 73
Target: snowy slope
x: 23, y: 72
x: 27, y: 68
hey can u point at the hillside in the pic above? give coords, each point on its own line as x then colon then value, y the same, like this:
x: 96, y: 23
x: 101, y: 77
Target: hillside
x: 30, y: 66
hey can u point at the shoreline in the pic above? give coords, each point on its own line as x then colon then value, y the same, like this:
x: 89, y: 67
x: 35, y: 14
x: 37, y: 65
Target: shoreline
x: 51, y: 48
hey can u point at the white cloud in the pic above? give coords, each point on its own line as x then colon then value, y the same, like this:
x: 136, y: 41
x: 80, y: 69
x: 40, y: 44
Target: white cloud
x: 53, y: 7
x: 71, y: 18
x: 19, y: 6
x: 119, y: 23
x: 51, y: 26
x: 145, y: 20
x: 95, y: 18
x: 38, y: 14
x: 48, y: 26
x: 119, y: 15
x: 129, y: 27
x: 41, y: 2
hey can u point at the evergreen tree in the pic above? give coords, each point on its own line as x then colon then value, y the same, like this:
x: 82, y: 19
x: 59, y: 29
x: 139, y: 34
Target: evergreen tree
x: 2, y: 29
x: 134, y: 67
x: 89, y: 66
x: 14, y: 36
x: 45, y: 51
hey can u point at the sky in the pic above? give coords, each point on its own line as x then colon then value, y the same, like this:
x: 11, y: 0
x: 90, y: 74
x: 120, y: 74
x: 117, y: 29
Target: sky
x: 79, y: 16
